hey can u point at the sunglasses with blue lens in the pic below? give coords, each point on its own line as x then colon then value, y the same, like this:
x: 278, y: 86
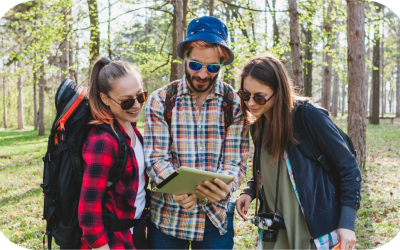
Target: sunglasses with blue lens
x: 211, y: 68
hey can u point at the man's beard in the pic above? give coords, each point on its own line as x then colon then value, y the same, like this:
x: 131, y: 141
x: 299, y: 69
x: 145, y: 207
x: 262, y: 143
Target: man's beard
x: 190, y: 79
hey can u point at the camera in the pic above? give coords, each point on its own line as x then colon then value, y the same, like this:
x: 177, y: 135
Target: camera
x: 270, y: 223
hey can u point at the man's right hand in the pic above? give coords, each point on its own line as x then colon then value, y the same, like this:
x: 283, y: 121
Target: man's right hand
x: 242, y: 205
x: 186, y: 201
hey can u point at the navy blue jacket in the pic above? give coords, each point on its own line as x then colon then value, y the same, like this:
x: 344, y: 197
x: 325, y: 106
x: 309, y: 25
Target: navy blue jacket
x: 325, y: 208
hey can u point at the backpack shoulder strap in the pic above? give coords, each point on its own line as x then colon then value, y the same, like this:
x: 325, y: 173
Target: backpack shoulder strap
x: 227, y: 106
x: 172, y: 90
x: 117, y: 170
x: 308, y: 146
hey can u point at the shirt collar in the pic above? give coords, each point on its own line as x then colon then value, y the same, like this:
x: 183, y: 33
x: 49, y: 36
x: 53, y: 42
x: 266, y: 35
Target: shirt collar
x: 183, y: 89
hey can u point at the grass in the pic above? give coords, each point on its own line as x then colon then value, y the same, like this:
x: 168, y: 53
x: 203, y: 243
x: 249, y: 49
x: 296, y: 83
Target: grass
x: 21, y: 200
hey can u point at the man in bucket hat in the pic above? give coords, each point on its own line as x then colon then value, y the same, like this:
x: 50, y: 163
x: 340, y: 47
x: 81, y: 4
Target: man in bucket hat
x: 196, y: 122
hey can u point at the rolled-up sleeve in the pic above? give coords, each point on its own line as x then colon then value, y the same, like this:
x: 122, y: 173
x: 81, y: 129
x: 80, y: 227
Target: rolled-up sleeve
x: 99, y: 154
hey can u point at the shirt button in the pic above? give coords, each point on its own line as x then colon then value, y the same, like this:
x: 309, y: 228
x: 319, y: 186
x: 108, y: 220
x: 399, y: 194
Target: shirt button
x: 358, y: 179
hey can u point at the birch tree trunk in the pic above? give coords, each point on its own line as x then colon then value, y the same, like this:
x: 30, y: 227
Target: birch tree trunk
x: 326, y: 96
x: 20, y: 100
x: 376, y: 71
x: 295, y: 46
x: 356, y: 122
x: 41, y: 100
x: 94, y: 44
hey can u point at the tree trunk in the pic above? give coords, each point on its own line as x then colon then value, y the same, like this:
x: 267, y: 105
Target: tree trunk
x: 383, y: 85
x: 275, y: 25
x: 343, y: 98
x: 4, y: 102
x: 41, y: 100
x: 398, y: 74
x: 356, y: 123
x: 211, y: 7
x: 71, y: 71
x: 376, y: 71
x: 20, y: 100
x: 335, y: 94
x: 35, y: 116
x: 76, y: 71
x: 94, y: 45
x: 176, y: 66
x: 308, y: 61
x: 185, y: 11
x: 109, y: 30
x: 295, y: 46
x: 326, y: 96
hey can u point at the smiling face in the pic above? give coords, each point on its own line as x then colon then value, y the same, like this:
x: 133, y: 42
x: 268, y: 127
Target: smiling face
x: 202, y: 80
x: 254, y: 87
x: 123, y: 88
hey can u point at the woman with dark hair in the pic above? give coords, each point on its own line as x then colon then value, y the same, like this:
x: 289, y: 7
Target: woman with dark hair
x: 116, y: 98
x: 316, y: 213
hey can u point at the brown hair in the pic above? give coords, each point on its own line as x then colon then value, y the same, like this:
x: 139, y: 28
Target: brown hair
x: 102, y: 77
x: 278, y: 133
x: 222, y: 51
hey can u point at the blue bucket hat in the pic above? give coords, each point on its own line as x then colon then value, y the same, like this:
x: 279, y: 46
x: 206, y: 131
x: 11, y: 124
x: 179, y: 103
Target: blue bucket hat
x: 209, y: 29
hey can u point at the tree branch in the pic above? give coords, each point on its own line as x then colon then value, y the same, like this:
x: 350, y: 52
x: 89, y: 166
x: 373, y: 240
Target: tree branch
x: 161, y: 65
x: 165, y: 38
x: 246, y: 8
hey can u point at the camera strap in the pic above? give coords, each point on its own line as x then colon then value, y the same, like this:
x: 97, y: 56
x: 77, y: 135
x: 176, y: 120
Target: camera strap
x: 277, y: 189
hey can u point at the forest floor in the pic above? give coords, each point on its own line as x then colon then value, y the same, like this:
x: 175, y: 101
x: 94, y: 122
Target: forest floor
x: 21, y: 200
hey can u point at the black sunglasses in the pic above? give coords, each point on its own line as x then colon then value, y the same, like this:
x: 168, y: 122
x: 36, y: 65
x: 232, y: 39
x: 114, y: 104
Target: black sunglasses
x: 128, y: 103
x: 259, y: 99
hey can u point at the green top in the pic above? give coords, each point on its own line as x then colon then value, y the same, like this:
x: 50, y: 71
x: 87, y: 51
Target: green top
x: 296, y: 235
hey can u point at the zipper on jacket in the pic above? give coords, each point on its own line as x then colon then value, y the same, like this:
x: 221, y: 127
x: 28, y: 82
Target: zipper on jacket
x: 61, y: 122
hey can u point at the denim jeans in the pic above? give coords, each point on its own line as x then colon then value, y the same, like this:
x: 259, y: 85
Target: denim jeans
x: 211, y: 240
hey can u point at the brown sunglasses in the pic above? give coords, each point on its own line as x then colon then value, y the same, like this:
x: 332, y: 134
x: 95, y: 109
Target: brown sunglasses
x: 128, y: 103
x: 259, y: 99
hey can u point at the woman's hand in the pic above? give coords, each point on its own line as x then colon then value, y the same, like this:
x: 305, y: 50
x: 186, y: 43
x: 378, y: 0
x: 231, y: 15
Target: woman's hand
x: 346, y: 238
x: 188, y: 202
x: 103, y: 247
x: 242, y: 205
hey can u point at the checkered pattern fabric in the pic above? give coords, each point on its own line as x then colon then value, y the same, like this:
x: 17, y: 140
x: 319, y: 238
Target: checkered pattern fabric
x: 198, y: 141
x: 100, y: 153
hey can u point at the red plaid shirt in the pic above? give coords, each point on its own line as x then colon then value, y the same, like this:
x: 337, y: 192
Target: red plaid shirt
x: 100, y: 152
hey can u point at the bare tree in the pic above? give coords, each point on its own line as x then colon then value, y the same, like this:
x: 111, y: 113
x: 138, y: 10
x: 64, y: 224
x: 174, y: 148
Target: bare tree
x: 326, y: 97
x: 308, y: 57
x: 274, y: 23
x: 94, y: 45
x: 383, y: 85
x: 295, y: 46
x: 376, y: 70
x: 356, y: 123
x: 35, y: 116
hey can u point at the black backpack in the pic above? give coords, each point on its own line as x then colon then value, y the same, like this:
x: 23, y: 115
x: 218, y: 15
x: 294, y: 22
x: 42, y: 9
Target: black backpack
x: 63, y: 169
x: 309, y: 148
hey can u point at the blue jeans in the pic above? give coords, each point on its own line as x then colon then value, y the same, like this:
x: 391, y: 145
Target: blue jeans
x: 211, y: 240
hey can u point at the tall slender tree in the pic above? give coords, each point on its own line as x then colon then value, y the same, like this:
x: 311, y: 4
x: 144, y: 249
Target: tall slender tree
x: 376, y: 69
x: 94, y: 45
x: 295, y: 46
x: 356, y: 123
x: 398, y: 73
x: 326, y: 96
x: 20, y: 100
x: 177, y: 32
